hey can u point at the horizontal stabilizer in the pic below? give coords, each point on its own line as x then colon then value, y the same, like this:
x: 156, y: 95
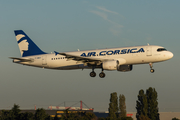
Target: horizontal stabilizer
x: 22, y: 59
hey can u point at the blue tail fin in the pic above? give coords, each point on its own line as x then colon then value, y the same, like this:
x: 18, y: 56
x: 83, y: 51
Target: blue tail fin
x: 26, y: 46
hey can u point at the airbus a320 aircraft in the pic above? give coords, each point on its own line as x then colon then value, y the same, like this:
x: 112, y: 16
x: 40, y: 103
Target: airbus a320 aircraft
x: 120, y: 59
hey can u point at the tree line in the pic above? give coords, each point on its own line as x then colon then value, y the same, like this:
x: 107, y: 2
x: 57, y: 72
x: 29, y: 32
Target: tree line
x: 40, y: 114
x: 16, y: 114
x: 146, y: 106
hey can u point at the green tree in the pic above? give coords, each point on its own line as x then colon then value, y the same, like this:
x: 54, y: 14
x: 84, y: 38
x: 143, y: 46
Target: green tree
x: 101, y: 118
x: 152, y: 104
x: 40, y: 114
x: 26, y: 116
x: 6, y: 115
x: 56, y: 117
x: 175, y: 119
x: 126, y: 118
x: 13, y: 114
x: 142, y: 117
x: 141, y: 105
x: 69, y: 115
x: 16, y: 112
x: 147, y: 105
x: 65, y: 115
x: 74, y: 116
x: 113, y: 106
x: 89, y: 116
x: 122, y: 106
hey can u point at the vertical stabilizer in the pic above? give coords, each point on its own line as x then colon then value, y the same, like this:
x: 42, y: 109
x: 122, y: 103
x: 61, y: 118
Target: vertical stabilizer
x: 26, y: 46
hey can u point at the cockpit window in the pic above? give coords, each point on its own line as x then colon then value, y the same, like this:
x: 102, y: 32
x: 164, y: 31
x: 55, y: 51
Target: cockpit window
x: 161, y: 49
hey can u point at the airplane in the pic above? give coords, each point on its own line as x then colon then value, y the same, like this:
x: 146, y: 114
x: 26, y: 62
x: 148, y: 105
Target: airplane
x: 119, y: 59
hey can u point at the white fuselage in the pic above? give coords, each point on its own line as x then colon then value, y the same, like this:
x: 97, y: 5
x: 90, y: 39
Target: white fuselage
x: 128, y: 56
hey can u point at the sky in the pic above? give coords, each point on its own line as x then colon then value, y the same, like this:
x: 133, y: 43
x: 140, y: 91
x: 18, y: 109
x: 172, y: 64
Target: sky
x: 65, y: 26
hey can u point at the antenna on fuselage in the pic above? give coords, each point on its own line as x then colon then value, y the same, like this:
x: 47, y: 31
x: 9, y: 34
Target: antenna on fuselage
x: 147, y: 43
x: 78, y: 49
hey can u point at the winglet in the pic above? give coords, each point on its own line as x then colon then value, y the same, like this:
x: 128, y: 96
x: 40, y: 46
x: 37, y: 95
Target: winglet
x: 56, y: 52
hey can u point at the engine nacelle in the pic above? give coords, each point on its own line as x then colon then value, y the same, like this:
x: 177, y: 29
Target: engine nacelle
x: 125, y: 68
x: 110, y: 65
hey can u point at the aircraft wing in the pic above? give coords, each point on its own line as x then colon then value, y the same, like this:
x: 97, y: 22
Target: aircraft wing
x: 83, y: 59
x: 21, y: 59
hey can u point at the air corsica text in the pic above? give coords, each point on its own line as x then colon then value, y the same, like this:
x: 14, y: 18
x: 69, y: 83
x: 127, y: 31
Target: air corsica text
x: 111, y: 52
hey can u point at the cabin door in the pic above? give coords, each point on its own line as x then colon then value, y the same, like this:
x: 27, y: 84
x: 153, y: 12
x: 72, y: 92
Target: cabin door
x: 44, y: 61
x: 148, y: 51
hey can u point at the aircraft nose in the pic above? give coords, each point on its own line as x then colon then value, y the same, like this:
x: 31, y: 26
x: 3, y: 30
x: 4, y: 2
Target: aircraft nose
x: 170, y: 55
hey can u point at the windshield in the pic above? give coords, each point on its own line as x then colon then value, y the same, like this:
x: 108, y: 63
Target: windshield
x: 161, y: 49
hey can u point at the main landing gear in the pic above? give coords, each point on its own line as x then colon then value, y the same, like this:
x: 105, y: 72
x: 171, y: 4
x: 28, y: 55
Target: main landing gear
x: 93, y: 74
x: 102, y: 74
x: 151, y: 66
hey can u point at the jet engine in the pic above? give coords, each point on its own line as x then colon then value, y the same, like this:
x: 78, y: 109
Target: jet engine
x: 113, y: 64
x: 125, y: 68
x: 110, y: 65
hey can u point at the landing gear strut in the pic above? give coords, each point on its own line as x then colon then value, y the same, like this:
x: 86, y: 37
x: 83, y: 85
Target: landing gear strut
x: 92, y: 74
x: 151, y: 66
x: 102, y: 74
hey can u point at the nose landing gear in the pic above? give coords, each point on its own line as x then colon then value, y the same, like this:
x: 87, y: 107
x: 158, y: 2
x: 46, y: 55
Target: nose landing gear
x: 151, y: 66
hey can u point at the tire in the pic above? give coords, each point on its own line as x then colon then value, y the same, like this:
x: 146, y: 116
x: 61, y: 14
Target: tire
x: 102, y: 75
x: 152, y: 70
x: 92, y: 74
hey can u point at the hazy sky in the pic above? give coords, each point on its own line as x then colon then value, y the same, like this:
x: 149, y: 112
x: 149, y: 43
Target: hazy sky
x: 62, y: 26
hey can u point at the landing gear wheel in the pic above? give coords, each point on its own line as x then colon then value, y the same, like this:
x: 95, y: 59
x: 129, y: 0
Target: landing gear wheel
x: 151, y: 66
x: 102, y: 75
x: 92, y: 74
x: 152, y: 70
